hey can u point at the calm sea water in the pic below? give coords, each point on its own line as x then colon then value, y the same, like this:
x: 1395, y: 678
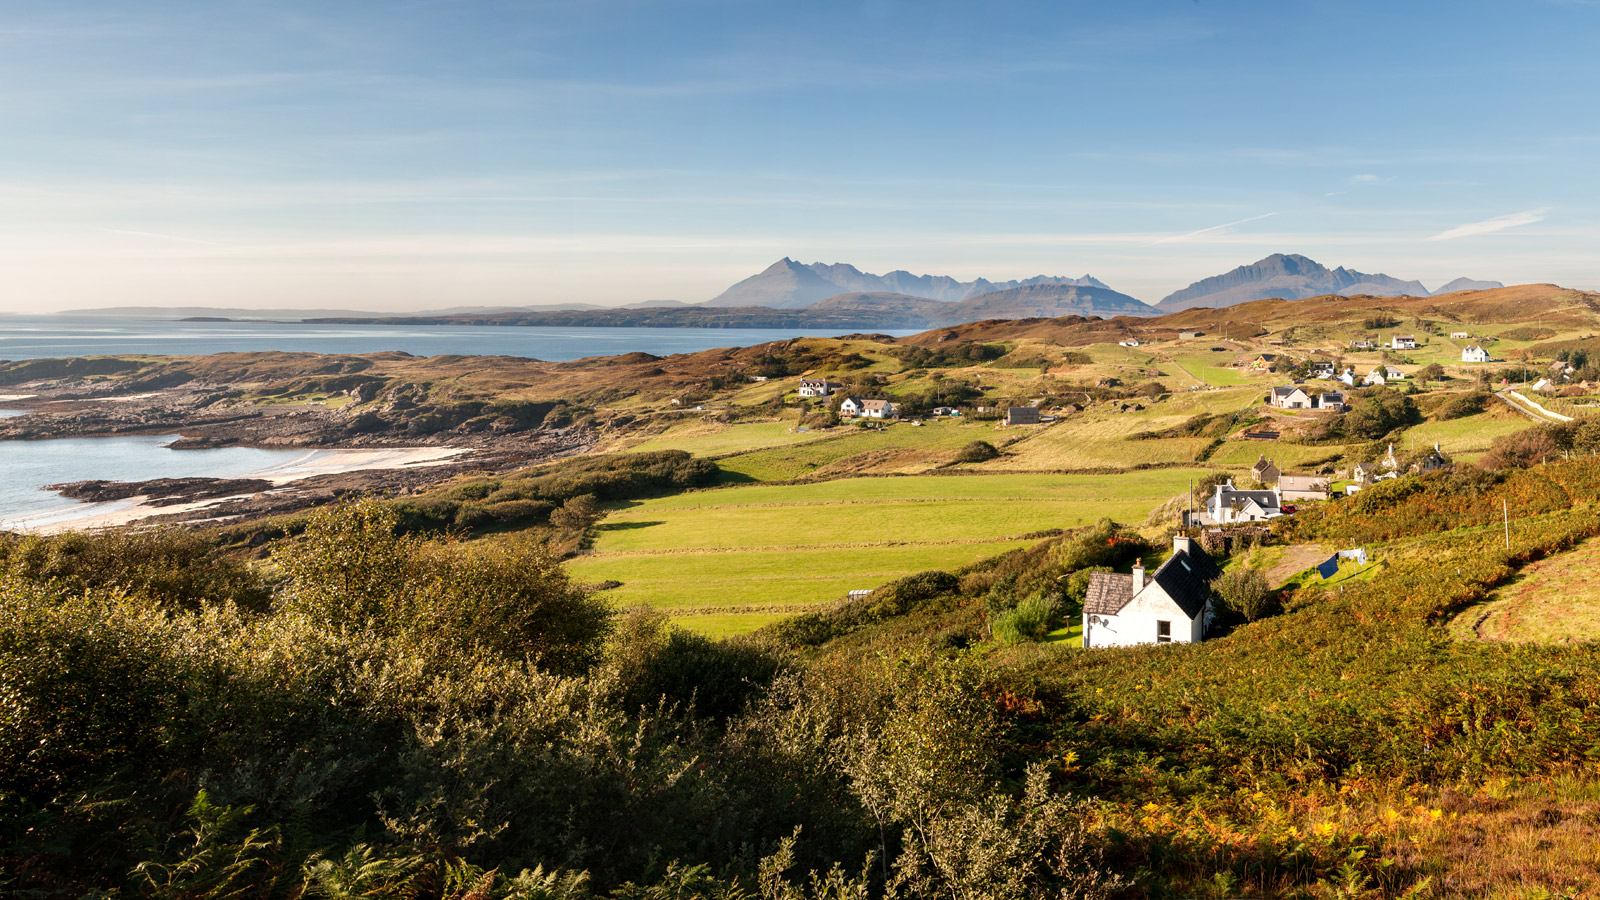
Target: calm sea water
x: 30, y: 465
x: 34, y: 337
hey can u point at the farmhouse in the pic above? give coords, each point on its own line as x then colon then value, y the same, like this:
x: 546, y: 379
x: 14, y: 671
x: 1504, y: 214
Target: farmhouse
x: 1331, y: 400
x: 1434, y: 460
x: 1229, y: 504
x: 1403, y: 342
x: 1361, y: 345
x: 1347, y: 378
x: 817, y: 387
x: 1022, y: 415
x: 876, y: 409
x: 946, y: 411
x: 1374, y: 377
x: 1264, y: 361
x: 1130, y: 342
x: 1296, y: 488
x: 1264, y: 472
x: 1290, y: 397
x: 1460, y: 336
x: 1393, y: 374
x: 1475, y: 355
x: 1169, y: 606
x: 850, y: 406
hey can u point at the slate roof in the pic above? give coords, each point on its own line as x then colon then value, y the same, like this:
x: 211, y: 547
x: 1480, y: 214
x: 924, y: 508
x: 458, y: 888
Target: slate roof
x: 1108, y: 593
x: 1185, y: 576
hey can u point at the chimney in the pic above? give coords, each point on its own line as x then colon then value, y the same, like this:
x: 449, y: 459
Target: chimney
x: 1181, y: 543
x: 1138, y: 574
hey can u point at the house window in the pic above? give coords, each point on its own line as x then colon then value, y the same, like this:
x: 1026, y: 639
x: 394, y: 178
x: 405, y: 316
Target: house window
x: 1163, y: 632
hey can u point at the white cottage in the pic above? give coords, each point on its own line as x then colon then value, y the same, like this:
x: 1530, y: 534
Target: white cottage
x: 1475, y: 355
x: 1289, y: 396
x: 850, y: 406
x: 1229, y: 504
x: 1169, y: 606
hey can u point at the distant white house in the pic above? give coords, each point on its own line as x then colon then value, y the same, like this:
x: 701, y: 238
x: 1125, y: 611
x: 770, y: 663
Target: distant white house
x: 1290, y: 397
x: 877, y: 409
x: 1172, y: 605
x: 1130, y: 342
x: 1347, y: 378
x: 850, y: 406
x: 1403, y: 342
x: 1228, y: 505
x: 1543, y: 384
x: 1331, y: 400
x: 1393, y: 374
x: 1189, y: 335
x: 1361, y: 345
x: 1374, y: 377
x: 1474, y: 355
x: 1460, y: 336
x: 818, y: 387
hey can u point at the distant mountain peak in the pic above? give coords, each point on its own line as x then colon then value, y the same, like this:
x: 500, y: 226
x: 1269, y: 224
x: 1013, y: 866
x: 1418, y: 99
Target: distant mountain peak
x: 789, y: 284
x: 1290, y: 276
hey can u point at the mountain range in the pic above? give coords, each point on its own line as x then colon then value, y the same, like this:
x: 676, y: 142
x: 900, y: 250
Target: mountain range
x: 1295, y: 277
x: 787, y: 284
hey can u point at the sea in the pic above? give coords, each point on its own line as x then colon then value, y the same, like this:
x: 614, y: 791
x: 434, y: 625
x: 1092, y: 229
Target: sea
x: 43, y: 336
x: 30, y: 465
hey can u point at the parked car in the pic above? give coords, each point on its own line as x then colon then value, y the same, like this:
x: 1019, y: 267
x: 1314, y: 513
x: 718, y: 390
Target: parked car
x: 1286, y: 509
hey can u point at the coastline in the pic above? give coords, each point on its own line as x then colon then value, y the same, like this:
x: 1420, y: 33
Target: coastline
x: 115, y: 513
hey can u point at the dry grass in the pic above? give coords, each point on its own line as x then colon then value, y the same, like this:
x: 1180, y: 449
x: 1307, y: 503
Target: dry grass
x: 1555, y: 599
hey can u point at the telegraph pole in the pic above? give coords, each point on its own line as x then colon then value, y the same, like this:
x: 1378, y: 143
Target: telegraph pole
x: 1505, y: 510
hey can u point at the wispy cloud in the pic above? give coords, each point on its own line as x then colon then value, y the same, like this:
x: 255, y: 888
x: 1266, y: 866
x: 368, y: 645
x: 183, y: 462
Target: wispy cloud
x: 1175, y: 239
x: 1494, y: 225
x: 1365, y: 178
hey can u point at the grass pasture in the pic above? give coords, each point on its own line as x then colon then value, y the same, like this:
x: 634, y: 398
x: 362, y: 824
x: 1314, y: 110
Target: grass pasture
x: 1551, y: 600
x: 716, y: 438
x: 900, y: 447
x: 728, y: 560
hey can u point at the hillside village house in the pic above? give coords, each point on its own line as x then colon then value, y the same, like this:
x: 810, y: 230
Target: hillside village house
x: 850, y: 406
x: 1460, y: 336
x: 1403, y: 342
x: 877, y: 409
x: 1264, y: 361
x: 1189, y: 335
x: 818, y: 387
x: 1264, y: 472
x: 1347, y: 378
x: 1290, y: 397
x: 1022, y: 415
x: 1228, y: 505
x: 1474, y: 355
x: 1330, y: 400
x: 1361, y: 345
x: 1130, y: 342
x: 1172, y: 605
x: 1374, y: 377
x: 1299, y: 488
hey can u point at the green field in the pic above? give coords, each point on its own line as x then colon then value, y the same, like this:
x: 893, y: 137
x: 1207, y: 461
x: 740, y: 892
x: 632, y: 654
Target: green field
x: 1469, y: 435
x: 742, y: 555
x: 900, y: 447
x: 716, y: 438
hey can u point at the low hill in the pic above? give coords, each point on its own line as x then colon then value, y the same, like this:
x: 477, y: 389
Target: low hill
x: 1467, y: 284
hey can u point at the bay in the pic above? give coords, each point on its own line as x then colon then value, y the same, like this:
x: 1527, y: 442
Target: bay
x: 38, y: 337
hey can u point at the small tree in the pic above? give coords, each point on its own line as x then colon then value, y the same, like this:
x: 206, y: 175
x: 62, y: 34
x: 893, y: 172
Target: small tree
x: 1245, y: 591
x: 977, y: 451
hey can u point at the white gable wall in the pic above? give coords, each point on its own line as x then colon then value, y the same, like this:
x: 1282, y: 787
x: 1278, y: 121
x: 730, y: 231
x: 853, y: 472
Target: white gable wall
x: 1136, y: 623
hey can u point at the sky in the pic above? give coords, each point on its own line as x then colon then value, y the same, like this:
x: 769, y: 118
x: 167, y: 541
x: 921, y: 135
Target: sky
x: 423, y: 155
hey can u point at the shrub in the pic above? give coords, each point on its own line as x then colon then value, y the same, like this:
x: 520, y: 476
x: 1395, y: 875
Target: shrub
x: 1030, y: 621
x: 1244, y: 592
x: 977, y: 451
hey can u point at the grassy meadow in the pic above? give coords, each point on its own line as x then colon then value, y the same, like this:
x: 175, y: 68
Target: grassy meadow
x: 749, y: 552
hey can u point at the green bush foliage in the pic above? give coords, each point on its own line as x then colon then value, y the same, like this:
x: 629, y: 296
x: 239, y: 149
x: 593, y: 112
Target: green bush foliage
x: 1028, y: 621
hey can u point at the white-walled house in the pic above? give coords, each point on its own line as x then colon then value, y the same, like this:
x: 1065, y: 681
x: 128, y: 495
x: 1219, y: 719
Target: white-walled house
x: 876, y: 409
x: 1169, y: 606
x: 1375, y: 377
x: 1289, y: 396
x: 1475, y: 355
x: 1331, y: 400
x: 1228, y: 504
x: 850, y: 406
x: 1403, y: 342
x: 818, y: 387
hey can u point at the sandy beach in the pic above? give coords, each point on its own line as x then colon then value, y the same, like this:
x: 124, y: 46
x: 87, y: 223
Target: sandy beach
x: 90, y: 516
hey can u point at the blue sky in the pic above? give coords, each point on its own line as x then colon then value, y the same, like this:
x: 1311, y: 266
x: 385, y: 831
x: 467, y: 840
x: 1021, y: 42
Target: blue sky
x: 425, y: 154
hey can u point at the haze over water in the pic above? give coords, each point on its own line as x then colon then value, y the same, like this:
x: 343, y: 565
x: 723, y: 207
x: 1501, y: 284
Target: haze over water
x: 37, y: 337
